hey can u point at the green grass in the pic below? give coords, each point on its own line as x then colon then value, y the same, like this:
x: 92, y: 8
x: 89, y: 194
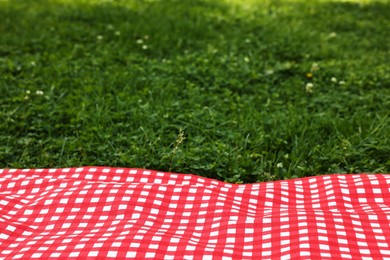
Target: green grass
x: 118, y: 83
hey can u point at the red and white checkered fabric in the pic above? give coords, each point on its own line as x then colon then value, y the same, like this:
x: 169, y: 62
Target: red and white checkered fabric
x: 97, y: 212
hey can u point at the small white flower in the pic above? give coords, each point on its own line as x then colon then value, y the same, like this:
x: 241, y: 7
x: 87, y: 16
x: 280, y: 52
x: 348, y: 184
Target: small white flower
x: 333, y: 79
x: 99, y: 37
x: 39, y: 92
x: 314, y: 67
x: 309, y: 87
x: 28, y: 92
x: 110, y: 27
x: 332, y: 35
x: 140, y: 41
x: 246, y: 59
x: 269, y: 72
x: 342, y: 82
x: 279, y: 165
x: 117, y: 33
x: 144, y: 47
x: 33, y: 63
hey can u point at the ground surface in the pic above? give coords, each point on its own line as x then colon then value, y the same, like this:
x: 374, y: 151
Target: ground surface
x: 238, y: 92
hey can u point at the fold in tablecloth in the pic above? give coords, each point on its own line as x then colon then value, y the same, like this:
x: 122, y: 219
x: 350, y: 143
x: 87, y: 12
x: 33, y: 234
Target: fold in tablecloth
x: 102, y: 212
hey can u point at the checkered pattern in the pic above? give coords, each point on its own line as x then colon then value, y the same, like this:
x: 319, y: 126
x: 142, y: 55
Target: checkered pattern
x: 97, y: 212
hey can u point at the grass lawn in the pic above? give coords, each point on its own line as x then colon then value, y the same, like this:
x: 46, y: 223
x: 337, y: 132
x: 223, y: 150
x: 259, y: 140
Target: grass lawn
x: 241, y: 91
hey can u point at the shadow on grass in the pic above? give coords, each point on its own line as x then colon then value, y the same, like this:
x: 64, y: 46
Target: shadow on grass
x: 163, y: 26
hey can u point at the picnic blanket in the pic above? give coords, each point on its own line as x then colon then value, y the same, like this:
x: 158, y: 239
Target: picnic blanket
x: 102, y: 212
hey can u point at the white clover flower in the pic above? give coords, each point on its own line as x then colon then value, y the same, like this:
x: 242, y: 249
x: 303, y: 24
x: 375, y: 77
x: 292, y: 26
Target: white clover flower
x: 269, y: 72
x: 332, y: 35
x: 333, y: 79
x: 140, y: 41
x: 279, y: 165
x: 145, y: 47
x: 99, y: 37
x: 28, y: 92
x: 33, y: 63
x: 342, y: 82
x: 314, y: 67
x: 309, y: 87
x: 246, y: 59
x: 39, y: 92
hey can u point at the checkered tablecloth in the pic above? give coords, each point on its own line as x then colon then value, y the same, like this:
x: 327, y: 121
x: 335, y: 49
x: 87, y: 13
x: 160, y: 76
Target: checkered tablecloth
x: 99, y: 212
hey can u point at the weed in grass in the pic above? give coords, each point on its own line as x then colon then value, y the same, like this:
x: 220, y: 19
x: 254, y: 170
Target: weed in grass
x: 179, y: 140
